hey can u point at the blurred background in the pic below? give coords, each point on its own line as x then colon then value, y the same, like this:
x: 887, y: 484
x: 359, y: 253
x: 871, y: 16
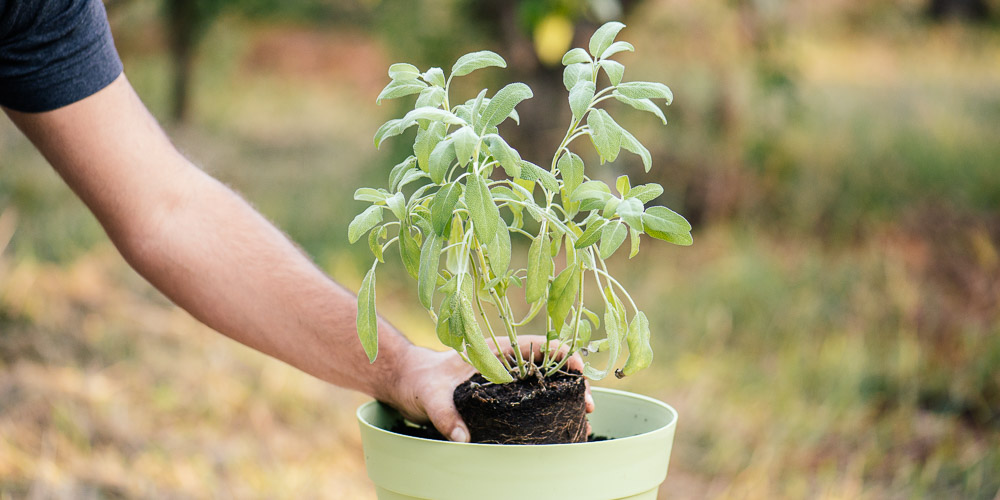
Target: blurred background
x: 833, y: 333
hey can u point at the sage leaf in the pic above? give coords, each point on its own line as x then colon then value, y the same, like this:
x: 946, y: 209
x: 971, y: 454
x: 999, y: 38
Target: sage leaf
x: 605, y: 134
x: 457, y: 253
x: 601, y: 40
x: 640, y: 354
x: 667, y: 225
x: 482, y: 358
x: 612, y: 236
x: 630, y: 210
x: 476, y: 60
x: 446, y: 332
x: 427, y: 273
x: 574, y: 73
x: 508, y: 157
x: 532, y: 172
x: 399, y: 171
x: 613, y: 346
x: 539, y: 268
x: 409, y: 252
x: 646, y: 90
x: 482, y: 209
x: 615, y: 71
x: 443, y: 207
x: 591, y: 235
x: 646, y: 192
x: 388, y: 129
x: 646, y: 105
x: 431, y: 97
x: 426, y: 140
x: 434, y: 76
x: 397, y: 89
x: 623, y: 185
x: 576, y: 55
x: 571, y: 170
x: 397, y: 204
x: 630, y: 143
x: 503, y: 103
x: 374, y: 245
x: 440, y: 159
x: 367, y: 321
x: 592, y: 190
x: 498, y: 251
x: 403, y: 72
x: 617, y: 47
x: 371, y: 195
x: 363, y: 223
x: 431, y: 114
x: 466, y: 141
x: 580, y: 98
x: 634, y: 240
x: 562, y: 294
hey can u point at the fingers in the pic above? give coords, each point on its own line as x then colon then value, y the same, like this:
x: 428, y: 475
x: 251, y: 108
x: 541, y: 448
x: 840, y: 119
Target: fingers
x: 442, y: 413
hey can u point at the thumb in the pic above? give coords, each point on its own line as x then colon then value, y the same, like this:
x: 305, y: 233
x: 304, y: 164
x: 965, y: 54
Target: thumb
x: 442, y: 413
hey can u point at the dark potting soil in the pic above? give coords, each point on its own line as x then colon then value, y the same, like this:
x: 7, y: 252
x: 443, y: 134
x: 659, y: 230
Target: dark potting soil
x: 533, y: 410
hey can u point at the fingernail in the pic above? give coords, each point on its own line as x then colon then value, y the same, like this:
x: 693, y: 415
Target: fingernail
x: 459, y: 435
x: 589, y: 399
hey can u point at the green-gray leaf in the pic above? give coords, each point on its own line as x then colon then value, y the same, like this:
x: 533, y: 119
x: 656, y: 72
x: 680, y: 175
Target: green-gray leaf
x: 367, y: 321
x: 612, y: 236
x: 373, y: 243
x: 397, y: 203
x: 476, y: 60
x: 630, y: 210
x: 498, y: 251
x: 426, y: 140
x: 409, y: 252
x: 427, y: 273
x: 532, y: 172
x: 630, y: 143
x: 443, y: 207
x: 592, y: 234
x: 363, y: 222
x: 503, y: 103
x: 466, y: 141
x: 449, y: 324
x: 388, y: 129
x: 640, y: 354
x: 646, y: 90
x: 482, y: 210
x: 480, y: 355
x: 562, y: 294
x: 403, y: 71
x: 615, y: 71
x: 440, y: 159
x: 580, y: 97
x: 431, y: 96
x: 539, y: 268
x: 370, y: 195
x: 574, y: 56
x: 667, y: 225
x: 434, y: 76
x: 400, y: 170
x: 634, y: 239
x: 602, y: 38
x: 646, y: 192
x: 571, y: 169
x: 508, y: 157
x: 397, y: 89
x: 617, y: 47
x: 646, y: 105
x: 605, y: 134
x: 431, y: 114
x: 576, y: 72
x: 592, y: 190
x: 622, y: 185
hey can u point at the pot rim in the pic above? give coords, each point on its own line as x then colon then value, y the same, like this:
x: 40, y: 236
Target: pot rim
x: 611, y: 392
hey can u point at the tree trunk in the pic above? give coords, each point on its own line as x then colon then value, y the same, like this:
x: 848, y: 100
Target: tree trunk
x: 182, y: 31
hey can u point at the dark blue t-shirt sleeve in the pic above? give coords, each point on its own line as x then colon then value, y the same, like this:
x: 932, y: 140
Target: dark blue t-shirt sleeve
x: 54, y: 53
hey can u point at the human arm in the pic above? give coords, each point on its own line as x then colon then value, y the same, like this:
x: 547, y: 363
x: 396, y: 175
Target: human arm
x: 213, y: 255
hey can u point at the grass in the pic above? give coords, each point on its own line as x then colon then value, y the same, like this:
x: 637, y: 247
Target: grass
x: 834, y: 332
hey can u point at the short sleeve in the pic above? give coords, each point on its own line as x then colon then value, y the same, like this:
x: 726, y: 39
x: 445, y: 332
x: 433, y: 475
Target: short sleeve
x: 54, y: 53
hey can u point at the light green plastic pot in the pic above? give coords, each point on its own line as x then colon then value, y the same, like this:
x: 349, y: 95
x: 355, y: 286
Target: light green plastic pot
x: 632, y: 465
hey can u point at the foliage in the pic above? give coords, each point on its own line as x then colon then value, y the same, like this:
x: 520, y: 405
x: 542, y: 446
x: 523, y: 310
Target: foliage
x: 457, y: 214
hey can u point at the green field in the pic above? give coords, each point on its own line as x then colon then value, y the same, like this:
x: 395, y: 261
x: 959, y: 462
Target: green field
x: 834, y: 332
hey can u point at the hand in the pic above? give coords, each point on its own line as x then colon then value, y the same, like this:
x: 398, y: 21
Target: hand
x: 427, y: 380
